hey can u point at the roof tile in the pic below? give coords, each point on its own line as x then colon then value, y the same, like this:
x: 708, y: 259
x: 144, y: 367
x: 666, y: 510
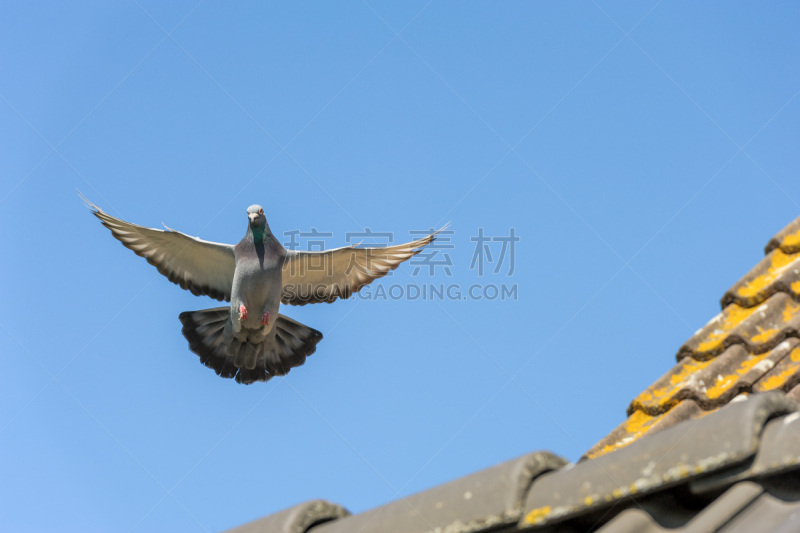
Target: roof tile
x: 788, y: 239
x: 758, y: 328
x: 777, y: 272
x: 784, y: 375
x: 794, y: 393
x: 486, y: 499
x: 712, y: 518
x: 767, y: 513
x: 779, y: 451
x: 297, y: 519
x: 714, y: 382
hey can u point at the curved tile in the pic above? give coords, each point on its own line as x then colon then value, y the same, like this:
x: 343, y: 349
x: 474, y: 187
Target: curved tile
x: 758, y: 328
x: 783, y: 376
x: 777, y: 272
x: 297, y: 519
x: 485, y: 500
x: 711, y: 383
x: 778, y: 452
x: 767, y: 513
x: 712, y: 518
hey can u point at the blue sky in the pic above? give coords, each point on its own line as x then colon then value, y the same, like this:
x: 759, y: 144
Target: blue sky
x: 643, y: 152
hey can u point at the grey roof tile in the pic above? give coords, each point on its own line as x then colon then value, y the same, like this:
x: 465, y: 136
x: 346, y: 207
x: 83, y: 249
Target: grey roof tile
x: 719, y: 440
x: 794, y: 393
x: 710, y: 520
x: 297, y: 519
x: 632, y: 521
x: 724, y: 508
x: 483, y: 500
x: 779, y: 451
x: 768, y: 513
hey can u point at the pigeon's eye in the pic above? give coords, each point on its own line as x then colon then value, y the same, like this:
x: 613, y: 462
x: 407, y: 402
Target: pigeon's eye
x: 260, y: 211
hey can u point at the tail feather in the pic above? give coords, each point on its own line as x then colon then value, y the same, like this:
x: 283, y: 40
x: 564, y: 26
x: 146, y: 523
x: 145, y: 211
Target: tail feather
x: 214, y: 316
x: 285, y: 347
x: 303, y: 338
x: 273, y: 363
x: 287, y: 353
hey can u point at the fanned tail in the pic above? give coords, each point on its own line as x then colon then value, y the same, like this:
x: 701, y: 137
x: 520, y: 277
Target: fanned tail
x: 247, y: 358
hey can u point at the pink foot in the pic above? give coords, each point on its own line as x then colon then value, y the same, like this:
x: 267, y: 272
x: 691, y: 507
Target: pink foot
x: 242, y: 313
x: 265, y: 319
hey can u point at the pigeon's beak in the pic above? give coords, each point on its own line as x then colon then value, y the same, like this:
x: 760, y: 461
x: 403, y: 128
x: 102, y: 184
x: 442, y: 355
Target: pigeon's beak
x: 252, y: 217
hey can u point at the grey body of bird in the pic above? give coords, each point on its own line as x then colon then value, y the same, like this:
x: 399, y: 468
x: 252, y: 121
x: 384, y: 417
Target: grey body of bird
x: 250, y: 340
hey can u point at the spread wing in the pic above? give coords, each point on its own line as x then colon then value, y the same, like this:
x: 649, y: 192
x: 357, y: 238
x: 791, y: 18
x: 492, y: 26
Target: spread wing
x: 324, y: 276
x: 201, y: 267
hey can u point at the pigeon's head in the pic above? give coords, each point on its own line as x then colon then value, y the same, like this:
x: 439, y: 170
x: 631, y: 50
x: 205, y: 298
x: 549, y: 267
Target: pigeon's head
x: 256, y: 215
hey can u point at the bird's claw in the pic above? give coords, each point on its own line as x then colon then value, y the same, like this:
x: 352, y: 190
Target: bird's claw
x: 265, y: 319
x: 242, y: 313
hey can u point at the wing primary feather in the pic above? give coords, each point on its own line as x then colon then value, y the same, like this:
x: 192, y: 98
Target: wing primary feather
x: 199, y: 266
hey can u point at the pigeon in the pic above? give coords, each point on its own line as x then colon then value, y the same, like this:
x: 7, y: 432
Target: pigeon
x: 250, y: 340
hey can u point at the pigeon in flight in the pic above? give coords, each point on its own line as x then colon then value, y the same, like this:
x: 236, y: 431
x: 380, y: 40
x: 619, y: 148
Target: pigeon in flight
x: 250, y: 340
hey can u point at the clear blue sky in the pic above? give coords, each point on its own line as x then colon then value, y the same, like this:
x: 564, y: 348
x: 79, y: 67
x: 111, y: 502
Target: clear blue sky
x: 643, y: 175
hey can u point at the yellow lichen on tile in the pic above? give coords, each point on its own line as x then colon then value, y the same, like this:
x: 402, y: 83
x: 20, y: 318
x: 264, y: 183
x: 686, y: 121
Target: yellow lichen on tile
x: 660, y: 397
x: 689, y: 368
x: 795, y: 286
x: 791, y: 241
x: 732, y: 316
x: 639, y: 422
x: 538, y: 515
x: 602, y: 451
x: 778, y: 381
x: 646, y: 396
x: 635, y: 426
x: 764, y: 335
x: 750, y: 362
x: 795, y: 355
x: 724, y: 383
x: 790, y: 310
x: 721, y: 386
x: 779, y: 262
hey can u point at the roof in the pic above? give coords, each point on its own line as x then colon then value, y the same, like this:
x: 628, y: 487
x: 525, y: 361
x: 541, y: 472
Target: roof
x: 713, y: 445
x: 751, y: 346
